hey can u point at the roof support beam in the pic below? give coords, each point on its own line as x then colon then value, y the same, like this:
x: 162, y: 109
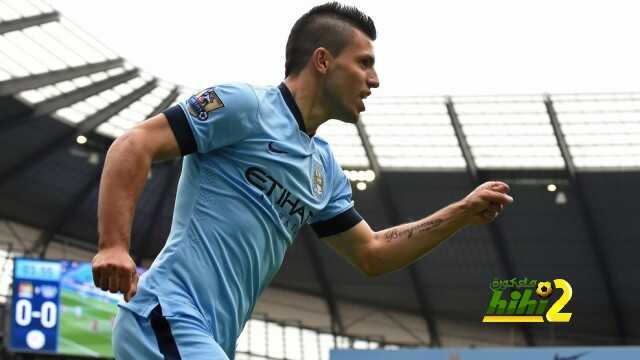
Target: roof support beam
x: 64, y: 100
x: 93, y: 121
x: 594, y: 236
x: 13, y: 86
x: 394, y: 216
x: 173, y: 95
x: 497, y: 236
x: 66, y: 138
x: 25, y: 22
x: 42, y: 109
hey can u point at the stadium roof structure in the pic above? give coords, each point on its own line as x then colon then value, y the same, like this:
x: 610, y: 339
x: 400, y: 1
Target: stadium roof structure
x: 572, y: 160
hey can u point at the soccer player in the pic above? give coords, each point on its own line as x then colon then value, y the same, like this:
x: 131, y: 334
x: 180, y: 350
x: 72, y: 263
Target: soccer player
x: 253, y: 174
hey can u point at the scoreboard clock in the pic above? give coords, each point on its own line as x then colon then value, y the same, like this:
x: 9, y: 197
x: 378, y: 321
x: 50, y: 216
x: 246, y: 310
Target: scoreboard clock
x: 35, y: 304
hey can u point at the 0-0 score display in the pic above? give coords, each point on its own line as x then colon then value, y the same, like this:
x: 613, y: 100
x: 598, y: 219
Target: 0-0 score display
x: 24, y: 313
x: 36, y: 295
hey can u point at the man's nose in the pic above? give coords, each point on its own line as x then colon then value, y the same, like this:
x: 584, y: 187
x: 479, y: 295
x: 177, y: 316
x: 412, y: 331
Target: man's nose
x: 373, y: 81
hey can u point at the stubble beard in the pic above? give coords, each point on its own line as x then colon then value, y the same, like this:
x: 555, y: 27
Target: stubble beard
x: 343, y: 112
x: 340, y: 110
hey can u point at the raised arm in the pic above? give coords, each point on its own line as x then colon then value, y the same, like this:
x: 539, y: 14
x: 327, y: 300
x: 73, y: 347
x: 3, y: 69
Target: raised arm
x: 376, y: 253
x: 124, y: 175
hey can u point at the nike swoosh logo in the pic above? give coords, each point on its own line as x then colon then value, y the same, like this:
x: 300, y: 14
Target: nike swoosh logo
x: 274, y: 150
x: 574, y: 357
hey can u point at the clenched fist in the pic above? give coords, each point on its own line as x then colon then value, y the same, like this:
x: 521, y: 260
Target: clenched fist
x: 114, y: 270
x: 486, y: 202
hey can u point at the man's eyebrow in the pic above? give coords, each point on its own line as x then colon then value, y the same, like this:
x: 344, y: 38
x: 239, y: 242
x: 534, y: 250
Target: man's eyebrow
x: 370, y: 59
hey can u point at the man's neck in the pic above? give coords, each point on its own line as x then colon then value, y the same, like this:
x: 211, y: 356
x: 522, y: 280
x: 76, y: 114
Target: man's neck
x: 309, y: 98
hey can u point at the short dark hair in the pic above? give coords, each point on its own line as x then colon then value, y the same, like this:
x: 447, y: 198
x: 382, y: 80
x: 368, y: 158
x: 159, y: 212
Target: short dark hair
x: 327, y: 26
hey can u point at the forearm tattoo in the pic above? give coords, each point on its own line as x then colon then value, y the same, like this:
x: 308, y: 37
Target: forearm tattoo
x: 408, y: 232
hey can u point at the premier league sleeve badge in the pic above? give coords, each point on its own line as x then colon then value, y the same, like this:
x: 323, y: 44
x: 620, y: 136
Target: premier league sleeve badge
x: 204, y: 102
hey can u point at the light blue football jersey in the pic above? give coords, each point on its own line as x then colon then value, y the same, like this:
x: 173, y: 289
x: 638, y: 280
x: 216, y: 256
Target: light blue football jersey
x: 254, y: 178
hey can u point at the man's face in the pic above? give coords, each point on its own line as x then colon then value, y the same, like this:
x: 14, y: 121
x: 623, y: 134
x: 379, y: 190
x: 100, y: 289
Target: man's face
x: 351, y: 78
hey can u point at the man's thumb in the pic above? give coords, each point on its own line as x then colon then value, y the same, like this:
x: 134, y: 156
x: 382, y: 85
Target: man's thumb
x: 133, y: 289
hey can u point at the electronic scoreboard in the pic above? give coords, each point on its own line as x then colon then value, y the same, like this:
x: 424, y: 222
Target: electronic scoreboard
x: 56, y: 309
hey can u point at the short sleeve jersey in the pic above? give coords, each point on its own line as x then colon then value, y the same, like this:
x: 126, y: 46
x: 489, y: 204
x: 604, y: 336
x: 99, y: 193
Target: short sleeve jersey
x: 251, y: 178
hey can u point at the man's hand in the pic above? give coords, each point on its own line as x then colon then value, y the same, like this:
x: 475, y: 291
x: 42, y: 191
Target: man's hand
x: 114, y: 270
x: 486, y: 202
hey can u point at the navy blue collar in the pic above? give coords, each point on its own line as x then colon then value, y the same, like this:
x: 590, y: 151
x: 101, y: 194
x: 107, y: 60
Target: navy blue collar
x: 293, y: 107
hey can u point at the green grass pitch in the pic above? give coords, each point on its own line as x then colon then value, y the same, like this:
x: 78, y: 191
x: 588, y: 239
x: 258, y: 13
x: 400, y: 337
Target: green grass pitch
x: 86, y: 333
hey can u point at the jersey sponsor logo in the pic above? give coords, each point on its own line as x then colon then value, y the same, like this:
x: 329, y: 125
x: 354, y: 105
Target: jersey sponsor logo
x: 204, y: 102
x: 318, y: 179
x: 275, y: 150
x: 291, y: 209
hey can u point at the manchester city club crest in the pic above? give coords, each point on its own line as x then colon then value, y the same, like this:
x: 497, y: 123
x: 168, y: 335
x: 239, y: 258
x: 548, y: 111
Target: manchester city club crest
x: 318, y: 182
x: 204, y: 102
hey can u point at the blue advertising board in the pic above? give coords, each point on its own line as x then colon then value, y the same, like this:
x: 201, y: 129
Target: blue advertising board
x: 544, y: 353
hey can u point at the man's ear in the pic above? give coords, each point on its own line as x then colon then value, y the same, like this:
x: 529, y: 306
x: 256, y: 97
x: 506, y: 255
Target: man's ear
x: 321, y: 60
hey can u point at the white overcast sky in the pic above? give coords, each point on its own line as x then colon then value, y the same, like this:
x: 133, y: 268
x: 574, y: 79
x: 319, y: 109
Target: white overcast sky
x: 432, y: 47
